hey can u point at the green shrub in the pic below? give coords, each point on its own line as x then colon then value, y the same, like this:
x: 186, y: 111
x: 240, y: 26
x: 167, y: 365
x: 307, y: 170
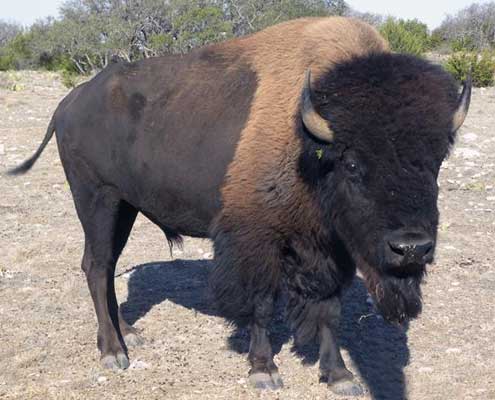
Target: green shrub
x: 64, y: 63
x: 55, y: 62
x: 462, y: 44
x: 437, y: 41
x: 6, y: 62
x: 406, y: 36
x: 17, y: 53
x: 482, y: 67
x: 69, y: 79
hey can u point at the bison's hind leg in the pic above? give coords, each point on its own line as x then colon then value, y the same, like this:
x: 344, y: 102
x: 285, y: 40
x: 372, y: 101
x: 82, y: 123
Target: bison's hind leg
x: 130, y: 334
x: 107, y: 222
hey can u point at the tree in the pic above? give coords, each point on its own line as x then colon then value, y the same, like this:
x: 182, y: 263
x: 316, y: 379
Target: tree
x: 194, y: 27
x: 472, y: 28
x: 17, y: 53
x: 337, y: 7
x: 89, y: 33
x: 376, y: 20
x: 8, y: 31
x: 250, y: 16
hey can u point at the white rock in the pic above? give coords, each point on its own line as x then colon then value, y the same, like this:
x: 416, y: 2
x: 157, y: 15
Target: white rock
x: 102, y: 379
x: 467, y: 152
x: 470, y: 137
x: 452, y: 350
x: 137, y: 364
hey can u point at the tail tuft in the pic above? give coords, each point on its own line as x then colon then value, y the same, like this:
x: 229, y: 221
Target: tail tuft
x: 23, y: 168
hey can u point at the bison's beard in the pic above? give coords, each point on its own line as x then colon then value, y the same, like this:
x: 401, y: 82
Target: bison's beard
x: 397, y: 298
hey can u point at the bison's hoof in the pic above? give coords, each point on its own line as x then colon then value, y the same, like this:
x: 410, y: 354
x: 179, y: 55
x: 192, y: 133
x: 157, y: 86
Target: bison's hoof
x: 263, y: 380
x: 133, y: 340
x: 346, y: 388
x: 115, y: 362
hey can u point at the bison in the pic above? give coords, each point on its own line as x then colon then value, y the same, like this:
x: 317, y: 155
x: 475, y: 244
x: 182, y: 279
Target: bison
x: 305, y: 152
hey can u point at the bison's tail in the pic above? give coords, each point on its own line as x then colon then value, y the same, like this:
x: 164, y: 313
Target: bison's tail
x: 26, y: 165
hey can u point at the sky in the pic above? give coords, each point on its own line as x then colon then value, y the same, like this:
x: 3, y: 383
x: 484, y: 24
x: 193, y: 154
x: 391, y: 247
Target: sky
x: 430, y: 12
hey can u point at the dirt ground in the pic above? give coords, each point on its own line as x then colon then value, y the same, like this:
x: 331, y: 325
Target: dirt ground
x: 48, y: 326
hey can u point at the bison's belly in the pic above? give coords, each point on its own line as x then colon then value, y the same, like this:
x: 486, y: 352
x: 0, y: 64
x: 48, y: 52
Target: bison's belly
x: 178, y: 208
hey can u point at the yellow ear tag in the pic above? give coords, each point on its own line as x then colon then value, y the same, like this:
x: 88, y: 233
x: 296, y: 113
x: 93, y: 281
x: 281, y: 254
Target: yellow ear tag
x: 319, y: 153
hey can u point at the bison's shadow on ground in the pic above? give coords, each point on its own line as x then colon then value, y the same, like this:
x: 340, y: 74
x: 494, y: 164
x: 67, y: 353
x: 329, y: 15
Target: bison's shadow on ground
x: 379, y: 350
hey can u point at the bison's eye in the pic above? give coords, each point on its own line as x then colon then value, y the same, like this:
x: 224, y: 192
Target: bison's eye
x: 351, y: 167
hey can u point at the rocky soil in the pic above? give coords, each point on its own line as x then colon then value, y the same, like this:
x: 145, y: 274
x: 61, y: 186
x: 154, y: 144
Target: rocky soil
x: 48, y: 326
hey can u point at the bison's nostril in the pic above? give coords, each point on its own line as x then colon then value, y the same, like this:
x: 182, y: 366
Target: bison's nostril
x: 398, y: 248
x: 424, y: 249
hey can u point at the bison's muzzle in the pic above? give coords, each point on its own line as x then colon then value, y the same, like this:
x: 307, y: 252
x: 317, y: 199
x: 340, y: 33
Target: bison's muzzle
x: 406, y: 251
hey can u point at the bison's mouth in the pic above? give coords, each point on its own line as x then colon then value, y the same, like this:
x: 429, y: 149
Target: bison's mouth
x: 398, y: 299
x: 397, y: 295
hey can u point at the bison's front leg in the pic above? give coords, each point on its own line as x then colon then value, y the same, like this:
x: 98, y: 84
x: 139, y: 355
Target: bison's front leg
x: 264, y: 372
x: 332, y: 367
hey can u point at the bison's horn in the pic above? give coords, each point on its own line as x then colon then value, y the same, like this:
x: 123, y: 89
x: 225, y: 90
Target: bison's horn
x: 462, y: 108
x: 312, y: 120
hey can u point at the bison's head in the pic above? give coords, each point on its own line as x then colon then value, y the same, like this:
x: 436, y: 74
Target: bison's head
x: 375, y: 132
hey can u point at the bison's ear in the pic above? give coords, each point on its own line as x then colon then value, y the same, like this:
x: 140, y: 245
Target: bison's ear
x: 463, y: 106
x: 313, y: 122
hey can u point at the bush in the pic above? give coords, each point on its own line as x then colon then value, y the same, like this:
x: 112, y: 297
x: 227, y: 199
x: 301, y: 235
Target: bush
x: 6, y: 62
x: 462, y: 44
x: 482, y: 67
x: 69, y: 79
x: 406, y: 36
x: 17, y: 53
